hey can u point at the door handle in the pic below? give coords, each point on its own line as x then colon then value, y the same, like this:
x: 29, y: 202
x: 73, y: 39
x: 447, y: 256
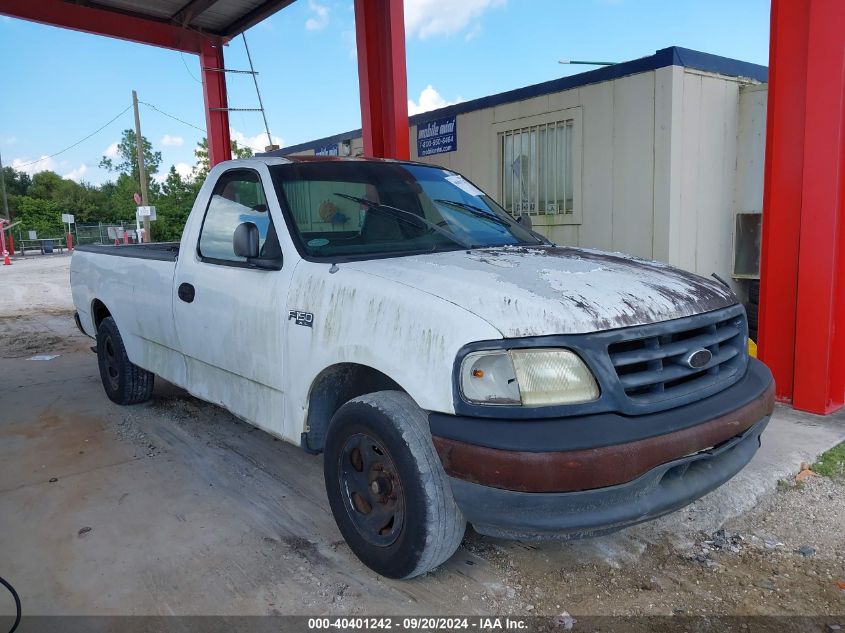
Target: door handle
x: 186, y: 292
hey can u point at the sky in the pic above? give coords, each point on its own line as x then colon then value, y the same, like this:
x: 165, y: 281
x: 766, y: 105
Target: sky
x: 59, y: 86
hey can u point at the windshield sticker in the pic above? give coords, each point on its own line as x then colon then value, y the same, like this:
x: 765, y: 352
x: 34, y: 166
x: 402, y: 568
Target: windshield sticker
x: 464, y: 185
x: 317, y: 242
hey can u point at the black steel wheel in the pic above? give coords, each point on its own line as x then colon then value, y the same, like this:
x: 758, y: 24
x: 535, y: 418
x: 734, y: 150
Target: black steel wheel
x: 111, y: 363
x: 387, y: 489
x: 372, y: 489
x: 124, y: 382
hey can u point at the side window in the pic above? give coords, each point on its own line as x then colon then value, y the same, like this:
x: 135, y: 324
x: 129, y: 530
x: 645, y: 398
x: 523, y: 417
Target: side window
x: 237, y: 197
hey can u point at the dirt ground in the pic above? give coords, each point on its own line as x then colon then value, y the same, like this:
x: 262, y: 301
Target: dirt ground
x: 177, y: 507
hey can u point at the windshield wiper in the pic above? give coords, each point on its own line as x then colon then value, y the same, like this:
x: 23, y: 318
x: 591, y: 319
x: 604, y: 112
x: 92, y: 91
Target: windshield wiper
x: 479, y: 212
x: 406, y: 216
x: 474, y: 210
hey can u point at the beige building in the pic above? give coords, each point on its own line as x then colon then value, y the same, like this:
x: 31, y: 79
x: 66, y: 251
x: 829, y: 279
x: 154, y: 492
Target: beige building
x: 653, y: 157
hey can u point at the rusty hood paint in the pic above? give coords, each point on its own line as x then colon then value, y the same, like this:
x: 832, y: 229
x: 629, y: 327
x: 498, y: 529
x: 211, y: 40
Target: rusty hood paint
x: 555, y: 290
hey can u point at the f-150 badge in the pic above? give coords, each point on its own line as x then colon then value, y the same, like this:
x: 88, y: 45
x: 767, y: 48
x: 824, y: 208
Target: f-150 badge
x: 301, y: 318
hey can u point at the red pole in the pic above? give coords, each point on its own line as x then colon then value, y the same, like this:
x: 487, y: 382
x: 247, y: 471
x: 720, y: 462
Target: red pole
x: 6, y: 259
x: 783, y: 169
x: 802, y: 277
x: 380, y: 33
x: 216, y: 102
x: 11, y: 243
x: 819, y: 343
x: 69, y: 241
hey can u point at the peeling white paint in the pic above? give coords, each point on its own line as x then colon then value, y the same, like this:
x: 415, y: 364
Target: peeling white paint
x: 556, y: 290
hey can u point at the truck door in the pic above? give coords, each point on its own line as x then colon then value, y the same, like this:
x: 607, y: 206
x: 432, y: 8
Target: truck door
x: 228, y: 311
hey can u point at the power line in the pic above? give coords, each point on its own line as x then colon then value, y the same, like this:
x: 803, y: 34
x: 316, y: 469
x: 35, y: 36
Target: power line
x: 175, y: 118
x: 82, y: 140
x: 182, y: 55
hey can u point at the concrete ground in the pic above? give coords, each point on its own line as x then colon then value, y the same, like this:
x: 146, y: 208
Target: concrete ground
x: 176, y: 507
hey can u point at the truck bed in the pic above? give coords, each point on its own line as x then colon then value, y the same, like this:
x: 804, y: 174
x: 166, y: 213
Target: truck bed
x: 161, y: 251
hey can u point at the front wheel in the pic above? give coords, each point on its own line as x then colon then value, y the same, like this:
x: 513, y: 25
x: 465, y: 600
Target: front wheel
x: 386, y: 486
x: 124, y: 382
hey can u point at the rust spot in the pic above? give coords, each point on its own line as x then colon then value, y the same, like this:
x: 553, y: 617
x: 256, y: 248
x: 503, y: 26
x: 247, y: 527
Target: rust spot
x: 568, y: 471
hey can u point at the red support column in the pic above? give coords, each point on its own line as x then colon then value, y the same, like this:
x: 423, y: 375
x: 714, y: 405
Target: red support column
x: 380, y: 33
x: 214, y: 95
x: 803, y: 234
x: 782, y: 191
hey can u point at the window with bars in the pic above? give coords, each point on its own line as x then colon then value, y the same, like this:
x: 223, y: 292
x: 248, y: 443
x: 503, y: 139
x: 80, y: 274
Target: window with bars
x: 539, y: 170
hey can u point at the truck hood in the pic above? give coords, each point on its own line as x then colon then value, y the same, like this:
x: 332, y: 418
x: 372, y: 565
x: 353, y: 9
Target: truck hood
x: 554, y: 290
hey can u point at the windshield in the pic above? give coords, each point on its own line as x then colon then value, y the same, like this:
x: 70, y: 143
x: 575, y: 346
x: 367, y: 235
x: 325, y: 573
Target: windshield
x: 360, y: 209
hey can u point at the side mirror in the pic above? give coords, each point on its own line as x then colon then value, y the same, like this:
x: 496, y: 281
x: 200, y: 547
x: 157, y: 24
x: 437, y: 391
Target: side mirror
x: 245, y: 240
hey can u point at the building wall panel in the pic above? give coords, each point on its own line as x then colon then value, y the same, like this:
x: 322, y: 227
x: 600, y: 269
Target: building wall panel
x: 633, y: 164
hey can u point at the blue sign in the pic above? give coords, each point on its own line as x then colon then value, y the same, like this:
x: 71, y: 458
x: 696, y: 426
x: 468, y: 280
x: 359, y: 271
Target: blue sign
x: 327, y: 150
x: 437, y: 137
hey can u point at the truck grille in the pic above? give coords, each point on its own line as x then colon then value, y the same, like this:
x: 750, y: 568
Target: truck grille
x: 651, y: 366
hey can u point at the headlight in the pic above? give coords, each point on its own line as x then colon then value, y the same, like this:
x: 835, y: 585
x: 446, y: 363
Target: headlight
x: 530, y: 377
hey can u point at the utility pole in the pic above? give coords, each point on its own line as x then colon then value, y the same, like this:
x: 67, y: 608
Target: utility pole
x: 142, y: 172
x: 3, y: 192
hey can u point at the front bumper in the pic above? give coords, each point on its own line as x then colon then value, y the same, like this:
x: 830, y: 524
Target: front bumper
x: 565, y: 492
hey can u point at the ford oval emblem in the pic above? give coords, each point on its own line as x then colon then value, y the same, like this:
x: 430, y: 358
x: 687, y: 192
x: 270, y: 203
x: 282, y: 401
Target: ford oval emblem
x: 698, y: 359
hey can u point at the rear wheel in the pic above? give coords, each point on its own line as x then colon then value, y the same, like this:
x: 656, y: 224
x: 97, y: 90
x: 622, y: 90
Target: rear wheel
x: 124, y: 382
x: 387, y: 489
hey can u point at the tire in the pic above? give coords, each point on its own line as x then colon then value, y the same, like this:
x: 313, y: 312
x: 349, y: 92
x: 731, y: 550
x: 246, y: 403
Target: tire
x: 754, y: 291
x: 124, y: 382
x: 388, y: 492
x: 752, y: 312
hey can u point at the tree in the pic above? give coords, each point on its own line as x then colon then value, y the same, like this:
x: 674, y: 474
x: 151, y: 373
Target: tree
x: 43, y: 216
x: 126, y: 161
x: 44, y: 185
x: 17, y: 182
x: 172, y: 207
x: 201, y: 152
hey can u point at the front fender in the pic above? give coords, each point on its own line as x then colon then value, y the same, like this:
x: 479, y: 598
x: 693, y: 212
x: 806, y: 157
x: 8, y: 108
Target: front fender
x: 409, y: 335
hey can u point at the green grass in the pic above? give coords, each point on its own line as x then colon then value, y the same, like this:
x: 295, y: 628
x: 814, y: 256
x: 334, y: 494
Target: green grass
x: 832, y: 463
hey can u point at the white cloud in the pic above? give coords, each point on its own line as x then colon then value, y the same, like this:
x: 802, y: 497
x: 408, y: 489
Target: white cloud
x: 184, y: 170
x: 111, y: 150
x: 430, y: 99
x: 321, y: 16
x: 257, y: 143
x: 425, y: 18
x: 23, y: 164
x: 76, y: 174
x: 171, y: 141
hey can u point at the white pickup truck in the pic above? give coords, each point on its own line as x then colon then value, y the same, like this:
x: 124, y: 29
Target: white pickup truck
x: 451, y: 365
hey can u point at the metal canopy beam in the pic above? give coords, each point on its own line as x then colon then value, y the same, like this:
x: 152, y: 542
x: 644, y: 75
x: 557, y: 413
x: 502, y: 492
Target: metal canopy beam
x: 133, y: 28
x: 216, y: 104
x: 259, y: 13
x: 380, y: 32
x: 802, y: 289
x: 191, y: 10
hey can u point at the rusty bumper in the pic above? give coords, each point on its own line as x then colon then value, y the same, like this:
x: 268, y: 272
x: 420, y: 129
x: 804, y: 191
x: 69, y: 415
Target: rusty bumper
x: 585, y: 469
x: 564, y: 493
